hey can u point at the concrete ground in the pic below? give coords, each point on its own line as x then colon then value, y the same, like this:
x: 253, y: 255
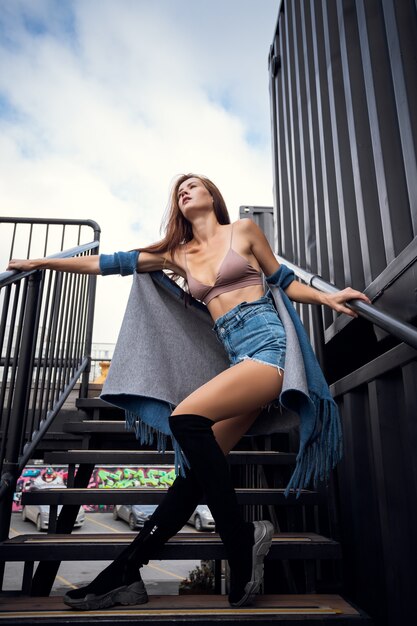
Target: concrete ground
x: 160, y: 577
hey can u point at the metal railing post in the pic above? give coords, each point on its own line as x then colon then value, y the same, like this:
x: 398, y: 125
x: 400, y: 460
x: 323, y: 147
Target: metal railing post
x: 89, y: 335
x: 20, y: 402
x: 318, y: 334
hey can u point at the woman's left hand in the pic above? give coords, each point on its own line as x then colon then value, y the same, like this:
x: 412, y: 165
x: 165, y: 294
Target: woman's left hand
x: 337, y: 301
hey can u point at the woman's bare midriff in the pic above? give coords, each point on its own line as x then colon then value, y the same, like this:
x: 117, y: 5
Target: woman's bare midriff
x: 225, y: 302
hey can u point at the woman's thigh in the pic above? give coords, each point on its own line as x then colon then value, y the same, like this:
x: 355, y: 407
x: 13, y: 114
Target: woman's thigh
x: 239, y: 390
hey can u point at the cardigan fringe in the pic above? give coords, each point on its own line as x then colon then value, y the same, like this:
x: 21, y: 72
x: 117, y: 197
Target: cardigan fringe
x: 146, y: 435
x: 319, y: 456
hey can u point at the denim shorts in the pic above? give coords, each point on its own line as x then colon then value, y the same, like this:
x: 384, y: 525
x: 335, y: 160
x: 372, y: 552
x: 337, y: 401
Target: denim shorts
x: 253, y: 330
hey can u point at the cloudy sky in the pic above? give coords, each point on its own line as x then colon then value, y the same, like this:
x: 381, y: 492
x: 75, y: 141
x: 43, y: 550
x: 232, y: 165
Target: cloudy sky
x: 104, y: 102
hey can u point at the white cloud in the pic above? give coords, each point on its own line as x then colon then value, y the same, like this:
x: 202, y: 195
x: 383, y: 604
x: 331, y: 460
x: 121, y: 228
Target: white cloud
x: 102, y: 102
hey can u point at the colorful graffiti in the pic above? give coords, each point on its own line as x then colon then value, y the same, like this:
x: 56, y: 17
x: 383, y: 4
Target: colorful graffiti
x: 38, y: 477
x: 129, y: 477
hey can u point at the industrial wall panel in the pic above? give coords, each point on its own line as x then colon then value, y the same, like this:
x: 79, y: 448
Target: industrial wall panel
x: 343, y: 93
x: 378, y: 489
x: 343, y: 100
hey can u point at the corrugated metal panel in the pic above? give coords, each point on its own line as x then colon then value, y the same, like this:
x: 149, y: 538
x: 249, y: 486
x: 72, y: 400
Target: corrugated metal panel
x: 378, y: 485
x: 344, y: 136
x: 343, y: 98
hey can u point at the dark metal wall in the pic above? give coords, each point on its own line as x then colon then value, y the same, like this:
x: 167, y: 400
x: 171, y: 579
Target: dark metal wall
x: 344, y: 133
x: 378, y: 485
x: 343, y: 103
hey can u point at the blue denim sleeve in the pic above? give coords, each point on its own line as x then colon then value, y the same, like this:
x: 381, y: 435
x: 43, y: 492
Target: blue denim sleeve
x: 281, y: 278
x: 123, y: 263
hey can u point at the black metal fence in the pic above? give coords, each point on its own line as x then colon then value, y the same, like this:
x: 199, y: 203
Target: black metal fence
x: 46, y: 321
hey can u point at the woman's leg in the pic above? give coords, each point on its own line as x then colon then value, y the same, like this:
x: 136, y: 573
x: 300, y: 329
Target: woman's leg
x: 181, y: 498
x: 241, y: 389
x: 247, y: 385
x: 121, y: 581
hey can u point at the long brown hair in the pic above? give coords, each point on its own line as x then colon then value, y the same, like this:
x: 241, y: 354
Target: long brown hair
x: 177, y: 228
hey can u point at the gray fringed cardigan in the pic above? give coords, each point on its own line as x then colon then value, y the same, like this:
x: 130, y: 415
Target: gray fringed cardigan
x: 166, y: 349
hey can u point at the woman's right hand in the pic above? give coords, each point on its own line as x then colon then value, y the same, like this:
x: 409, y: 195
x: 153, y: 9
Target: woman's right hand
x: 23, y: 265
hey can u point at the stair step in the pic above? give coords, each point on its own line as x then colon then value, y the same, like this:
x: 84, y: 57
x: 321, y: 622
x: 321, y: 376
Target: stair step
x: 204, y: 546
x: 99, y: 409
x: 151, y: 457
x: 155, y: 495
x: 97, y: 426
x: 191, y: 609
x: 94, y: 403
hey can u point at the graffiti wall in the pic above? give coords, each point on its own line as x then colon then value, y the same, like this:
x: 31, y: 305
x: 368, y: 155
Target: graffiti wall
x: 104, y: 477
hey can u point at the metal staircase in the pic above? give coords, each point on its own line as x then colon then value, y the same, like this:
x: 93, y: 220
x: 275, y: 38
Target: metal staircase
x: 302, y: 571
x: 294, y: 566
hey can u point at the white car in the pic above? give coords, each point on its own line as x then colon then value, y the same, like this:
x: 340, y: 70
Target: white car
x: 39, y: 515
x: 202, y: 518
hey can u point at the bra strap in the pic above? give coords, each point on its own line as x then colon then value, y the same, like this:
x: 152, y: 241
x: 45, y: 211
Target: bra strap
x: 231, y: 236
x: 185, y: 258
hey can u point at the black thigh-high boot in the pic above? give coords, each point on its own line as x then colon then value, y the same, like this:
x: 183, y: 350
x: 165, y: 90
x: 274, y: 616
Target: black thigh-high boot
x: 120, y: 582
x: 246, y: 543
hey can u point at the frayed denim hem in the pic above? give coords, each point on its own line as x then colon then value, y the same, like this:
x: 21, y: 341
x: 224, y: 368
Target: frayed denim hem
x: 250, y: 358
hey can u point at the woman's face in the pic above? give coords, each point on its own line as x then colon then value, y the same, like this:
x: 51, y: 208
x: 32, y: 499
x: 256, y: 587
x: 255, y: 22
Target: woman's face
x: 193, y: 195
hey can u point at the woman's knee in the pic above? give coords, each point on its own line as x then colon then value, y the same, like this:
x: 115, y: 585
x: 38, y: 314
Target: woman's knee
x: 229, y: 432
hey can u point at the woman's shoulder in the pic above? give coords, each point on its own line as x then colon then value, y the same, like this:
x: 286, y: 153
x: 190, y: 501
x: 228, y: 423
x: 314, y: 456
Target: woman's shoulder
x: 245, y: 225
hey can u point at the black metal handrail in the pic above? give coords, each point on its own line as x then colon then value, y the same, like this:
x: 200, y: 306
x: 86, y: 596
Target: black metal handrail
x: 46, y: 323
x: 10, y: 276
x: 396, y: 327
x: 47, y: 222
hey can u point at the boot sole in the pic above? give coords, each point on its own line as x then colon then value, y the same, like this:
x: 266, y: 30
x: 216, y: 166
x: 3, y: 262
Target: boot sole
x: 264, y: 531
x: 128, y: 594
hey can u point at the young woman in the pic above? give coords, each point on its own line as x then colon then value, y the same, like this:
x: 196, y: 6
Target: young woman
x: 223, y: 265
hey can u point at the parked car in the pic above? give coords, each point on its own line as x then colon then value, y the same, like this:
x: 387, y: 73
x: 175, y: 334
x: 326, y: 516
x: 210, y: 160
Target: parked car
x: 39, y: 515
x: 134, y: 514
x: 202, y: 518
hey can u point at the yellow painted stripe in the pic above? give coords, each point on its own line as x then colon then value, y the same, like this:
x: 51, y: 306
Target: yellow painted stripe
x: 164, y: 571
x: 90, y: 519
x: 155, y: 567
x: 66, y: 582
x: 89, y: 539
x: 72, y: 540
x: 178, y: 612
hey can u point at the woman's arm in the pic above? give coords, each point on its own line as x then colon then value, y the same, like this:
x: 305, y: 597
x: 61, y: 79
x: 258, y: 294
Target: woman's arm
x: 77, y: 265
x: 123, y: 263
x: 296, y: 291
x: 154, y: 261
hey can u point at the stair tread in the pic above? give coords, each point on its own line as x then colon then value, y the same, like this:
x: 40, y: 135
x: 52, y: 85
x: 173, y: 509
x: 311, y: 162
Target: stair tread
x: 96, y: 426
x: 106, y: 546
x: 183, y: 537
x: 152, y: 456
x: 83, y: 547
x: 188, y: 608
x: 94, y: 403
x: 143, y: 495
